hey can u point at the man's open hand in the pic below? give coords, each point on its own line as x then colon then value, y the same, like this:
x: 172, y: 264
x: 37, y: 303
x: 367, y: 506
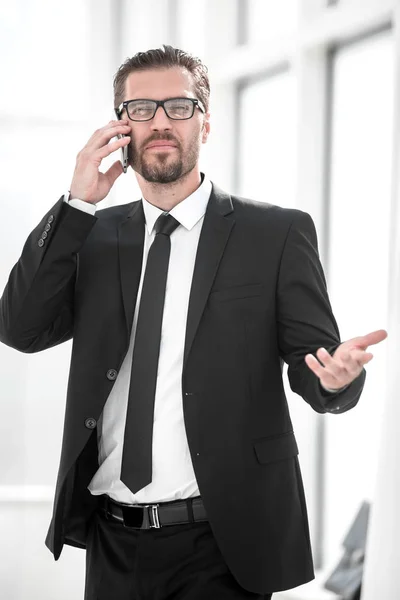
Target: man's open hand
x: 347, y: 362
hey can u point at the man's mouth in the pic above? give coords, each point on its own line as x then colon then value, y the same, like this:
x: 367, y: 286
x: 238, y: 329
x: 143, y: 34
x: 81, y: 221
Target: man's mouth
x: 161, y: 145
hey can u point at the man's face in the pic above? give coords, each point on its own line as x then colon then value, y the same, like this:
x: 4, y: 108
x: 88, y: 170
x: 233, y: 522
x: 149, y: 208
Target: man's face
x: 164, y: 163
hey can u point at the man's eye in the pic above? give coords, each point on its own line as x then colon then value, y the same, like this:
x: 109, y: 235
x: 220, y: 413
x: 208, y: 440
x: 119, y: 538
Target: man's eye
x: 141, y: 110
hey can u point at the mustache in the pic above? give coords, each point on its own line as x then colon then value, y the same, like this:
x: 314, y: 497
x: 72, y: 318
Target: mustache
x: 160, y: 137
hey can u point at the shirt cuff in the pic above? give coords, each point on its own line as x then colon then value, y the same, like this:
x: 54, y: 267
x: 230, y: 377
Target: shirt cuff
x: 333, y: 391
x: 80, y: 204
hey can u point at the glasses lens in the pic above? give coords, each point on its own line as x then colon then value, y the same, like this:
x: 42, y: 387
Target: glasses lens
x: 141, y: 110
x: 179, y: 108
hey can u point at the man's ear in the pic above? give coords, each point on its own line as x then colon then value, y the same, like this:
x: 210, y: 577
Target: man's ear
x: 206, y: 128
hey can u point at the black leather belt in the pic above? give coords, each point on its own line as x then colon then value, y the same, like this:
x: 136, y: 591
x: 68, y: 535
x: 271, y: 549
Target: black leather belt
x: 148, y: 516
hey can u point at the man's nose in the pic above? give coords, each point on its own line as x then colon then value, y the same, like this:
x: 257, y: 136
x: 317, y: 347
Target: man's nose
x: 160, y: 120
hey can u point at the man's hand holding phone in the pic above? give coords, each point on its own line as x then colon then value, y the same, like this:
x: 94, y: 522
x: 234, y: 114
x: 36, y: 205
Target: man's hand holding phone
x: 88, y: 183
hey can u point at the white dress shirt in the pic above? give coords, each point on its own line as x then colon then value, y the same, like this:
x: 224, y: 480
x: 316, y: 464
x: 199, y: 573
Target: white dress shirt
x: 173, y: 474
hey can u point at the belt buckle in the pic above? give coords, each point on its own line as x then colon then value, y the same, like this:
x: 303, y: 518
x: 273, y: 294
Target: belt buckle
x: 152, y: 519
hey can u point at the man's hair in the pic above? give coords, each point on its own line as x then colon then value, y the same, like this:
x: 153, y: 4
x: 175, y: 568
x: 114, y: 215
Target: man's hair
x: 165, y: 57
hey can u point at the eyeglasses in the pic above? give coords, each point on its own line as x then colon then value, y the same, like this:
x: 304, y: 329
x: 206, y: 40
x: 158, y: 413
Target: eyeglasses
x: 178, y: 109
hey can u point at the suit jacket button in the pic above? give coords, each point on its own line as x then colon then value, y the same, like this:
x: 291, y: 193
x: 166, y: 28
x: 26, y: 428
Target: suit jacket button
x: 47, y: 227
x: 90, y: 423
x: 112, y: 374
x: 41, y: 243
x: 44, y: 235
x: 50, y: 219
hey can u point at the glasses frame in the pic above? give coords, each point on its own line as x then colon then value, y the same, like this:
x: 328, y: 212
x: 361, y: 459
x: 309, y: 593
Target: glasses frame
x: 195, y: 102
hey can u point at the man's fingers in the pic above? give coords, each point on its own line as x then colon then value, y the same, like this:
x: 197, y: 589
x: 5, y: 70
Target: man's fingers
x: 355, y: 359
x: 328, y: 362
x: 348, y: 359
x: 367, y: 357
x: 102, y: 136
x: 351, y: 359
x: 375, y: 337
x: 339, y: 365
x: 114, y: 172
x: 112, y: 147
x: 314, y: 365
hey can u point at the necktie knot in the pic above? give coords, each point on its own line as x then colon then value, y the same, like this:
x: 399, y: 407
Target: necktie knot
x: 166, y: 224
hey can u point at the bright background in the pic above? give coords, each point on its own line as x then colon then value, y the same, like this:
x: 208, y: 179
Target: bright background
x: 303, y: 96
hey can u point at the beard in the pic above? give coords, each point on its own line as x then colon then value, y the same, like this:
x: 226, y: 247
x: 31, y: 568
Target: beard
x: 163, y: 167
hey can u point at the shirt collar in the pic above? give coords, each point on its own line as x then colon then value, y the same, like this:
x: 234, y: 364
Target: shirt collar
x: 188, y: 212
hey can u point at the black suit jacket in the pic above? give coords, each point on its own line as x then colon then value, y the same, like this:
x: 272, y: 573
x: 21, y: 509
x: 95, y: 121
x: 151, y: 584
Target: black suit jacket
x: 258, y: 298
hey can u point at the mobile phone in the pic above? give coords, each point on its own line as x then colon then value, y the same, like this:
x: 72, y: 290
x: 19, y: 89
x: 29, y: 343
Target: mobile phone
x: 124, y: 154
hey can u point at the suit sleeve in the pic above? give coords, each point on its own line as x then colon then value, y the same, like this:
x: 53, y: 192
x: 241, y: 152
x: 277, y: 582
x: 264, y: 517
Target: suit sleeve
x: 305, y: 318
x: 36, y: 308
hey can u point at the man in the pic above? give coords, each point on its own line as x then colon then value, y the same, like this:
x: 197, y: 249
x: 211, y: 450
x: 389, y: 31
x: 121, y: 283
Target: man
x: 179, y: 471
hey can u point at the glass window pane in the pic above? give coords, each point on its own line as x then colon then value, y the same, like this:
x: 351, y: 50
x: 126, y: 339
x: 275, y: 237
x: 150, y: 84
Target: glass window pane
x: 46, y: 43
x: 358, y: 267
x: 267, y: 149
x: 190, y: 24
x: 267, y: 19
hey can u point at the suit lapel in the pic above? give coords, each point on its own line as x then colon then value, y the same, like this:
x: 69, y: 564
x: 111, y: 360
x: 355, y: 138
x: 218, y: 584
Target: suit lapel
x: 217, y: 226
x: 130, y: 246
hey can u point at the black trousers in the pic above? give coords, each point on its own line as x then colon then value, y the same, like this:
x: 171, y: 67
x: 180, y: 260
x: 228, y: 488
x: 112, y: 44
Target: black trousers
x: 176, y: 562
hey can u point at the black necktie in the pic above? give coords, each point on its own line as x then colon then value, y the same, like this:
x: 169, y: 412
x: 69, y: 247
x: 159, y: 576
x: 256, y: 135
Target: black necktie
x: 136, y: 471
